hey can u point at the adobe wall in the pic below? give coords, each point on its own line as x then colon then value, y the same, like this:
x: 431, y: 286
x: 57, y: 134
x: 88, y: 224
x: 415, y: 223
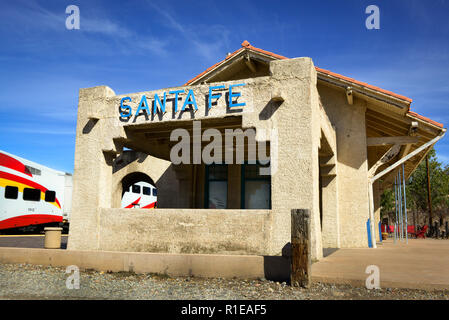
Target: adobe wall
x: 296, y: 122
x: 185, y: 231
x: 352, y: 169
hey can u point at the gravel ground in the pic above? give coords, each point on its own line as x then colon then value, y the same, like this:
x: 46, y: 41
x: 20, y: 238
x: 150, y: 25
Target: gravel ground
x: 23, y: 281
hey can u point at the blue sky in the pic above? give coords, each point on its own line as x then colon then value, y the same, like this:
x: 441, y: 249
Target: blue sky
x: 140, y: 45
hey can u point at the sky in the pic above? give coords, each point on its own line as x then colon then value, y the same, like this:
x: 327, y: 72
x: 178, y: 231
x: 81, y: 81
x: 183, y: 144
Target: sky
x: 142, y: 45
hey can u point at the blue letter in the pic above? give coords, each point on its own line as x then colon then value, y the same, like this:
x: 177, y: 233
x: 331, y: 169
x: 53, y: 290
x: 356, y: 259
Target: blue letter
x: 130, y: 111
x: 217, y: 96
x: 162, y: 105
x: 176, y: 97
x: 144, y: 102
x: 231, y: 95
x: 187, y: 102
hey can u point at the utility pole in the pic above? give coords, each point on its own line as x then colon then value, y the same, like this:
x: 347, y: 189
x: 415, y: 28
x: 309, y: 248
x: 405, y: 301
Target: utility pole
x: 429, y: 198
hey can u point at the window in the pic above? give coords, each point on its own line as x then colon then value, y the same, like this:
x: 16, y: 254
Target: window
x: 136, y: 188
x: 256, y: 188
x: 216, y: 186
x: 50, y: 196
x: 146, y: 191
x: 11, y: 192
x: 33, y: 171
x: 154, y: 192
x: 31, y: 194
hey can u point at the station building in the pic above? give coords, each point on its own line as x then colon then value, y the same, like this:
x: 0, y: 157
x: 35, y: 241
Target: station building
x: 326, y: 135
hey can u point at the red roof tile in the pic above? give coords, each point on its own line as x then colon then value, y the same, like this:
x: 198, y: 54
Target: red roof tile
x: 364, y: 84
x: 414, y: 114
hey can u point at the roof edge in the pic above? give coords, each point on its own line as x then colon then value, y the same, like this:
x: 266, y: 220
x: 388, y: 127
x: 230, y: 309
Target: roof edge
x: 425, y: 119
x: 247, y: 46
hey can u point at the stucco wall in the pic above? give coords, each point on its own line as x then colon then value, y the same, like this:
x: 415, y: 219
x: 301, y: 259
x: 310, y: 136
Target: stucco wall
x: 297, y: 130
x: 185, y: 230
x: 352, y: 169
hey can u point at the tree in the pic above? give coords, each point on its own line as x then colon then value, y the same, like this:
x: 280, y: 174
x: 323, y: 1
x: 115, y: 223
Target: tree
x: 416, y: 189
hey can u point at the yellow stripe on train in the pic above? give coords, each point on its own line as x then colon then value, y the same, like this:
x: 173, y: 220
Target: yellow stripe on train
x: 21, y: 186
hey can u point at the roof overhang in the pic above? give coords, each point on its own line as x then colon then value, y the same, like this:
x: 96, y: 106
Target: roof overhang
x: 388, y: 113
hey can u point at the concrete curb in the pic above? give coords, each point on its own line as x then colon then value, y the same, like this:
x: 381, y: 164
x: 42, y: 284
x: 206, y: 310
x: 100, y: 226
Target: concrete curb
x: 197, y: 265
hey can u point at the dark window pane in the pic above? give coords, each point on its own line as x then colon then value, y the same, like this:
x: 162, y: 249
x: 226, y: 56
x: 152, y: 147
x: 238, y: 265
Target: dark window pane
x: 217, y: 186
x: 256, y: 186
x: 50, y: 196
x: 33, y: 171
x: 31, y: 194
x: 257, y: 194
x: 155, y: 192
x: 146, y: 191
x: 218, y: 194
x: 11, y: 192
x: 252, y: 171
x: 218, y: 172
x: 136, y: 189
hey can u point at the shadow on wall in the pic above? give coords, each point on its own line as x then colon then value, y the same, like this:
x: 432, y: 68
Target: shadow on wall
x: 278, y: 268
x: 126, y: 158
x: 168, y: 186
x: 269, y: 109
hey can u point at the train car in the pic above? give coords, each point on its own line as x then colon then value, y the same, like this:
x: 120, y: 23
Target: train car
x: 141, y: 195
x: 32, y: 196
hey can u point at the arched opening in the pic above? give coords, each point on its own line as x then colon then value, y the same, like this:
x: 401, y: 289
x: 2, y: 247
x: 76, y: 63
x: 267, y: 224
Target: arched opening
x: 138, y: 191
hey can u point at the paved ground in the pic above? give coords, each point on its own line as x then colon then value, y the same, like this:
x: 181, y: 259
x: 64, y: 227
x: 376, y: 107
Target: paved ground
x: 423, y: 263
x: 27, y: 241
x: 22, y: 281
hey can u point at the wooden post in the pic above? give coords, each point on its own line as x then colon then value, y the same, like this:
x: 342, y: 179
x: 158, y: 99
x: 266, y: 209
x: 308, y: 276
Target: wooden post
x: 301, y: 248
x: 429, y: 198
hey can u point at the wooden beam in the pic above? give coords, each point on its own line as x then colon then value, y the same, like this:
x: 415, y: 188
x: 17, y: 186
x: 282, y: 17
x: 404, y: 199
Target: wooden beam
x: 412, y: 132
x: 250, y: 64
x: 384, y: 129
x: 301, y: 248
x: 382, y: 141
x: 349, y: 95
x: 390, y: 154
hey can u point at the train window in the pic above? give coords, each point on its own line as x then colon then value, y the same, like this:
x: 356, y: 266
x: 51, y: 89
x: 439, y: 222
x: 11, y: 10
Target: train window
x: 11, y: 192
x: 155, y: 192
x: 136, y: 189
x: 33, y: 171
x: 31, y: 194
x: 50, y: 196
x: 146, y: 191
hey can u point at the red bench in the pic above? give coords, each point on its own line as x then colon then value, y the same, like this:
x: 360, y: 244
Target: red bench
x: 422, y: 233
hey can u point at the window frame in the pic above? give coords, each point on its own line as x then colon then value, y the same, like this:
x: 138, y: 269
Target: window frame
x: 207, y: 180
x: 16, y: 190
x: 243, y: 179
x: 40, y: 194
x: 135, y: 185
x: 147, y: 194
x: 47, y: 192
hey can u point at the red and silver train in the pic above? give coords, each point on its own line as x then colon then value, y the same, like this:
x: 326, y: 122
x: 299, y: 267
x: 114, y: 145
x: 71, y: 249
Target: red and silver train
x: 141, y: 195
x: 31, y: 195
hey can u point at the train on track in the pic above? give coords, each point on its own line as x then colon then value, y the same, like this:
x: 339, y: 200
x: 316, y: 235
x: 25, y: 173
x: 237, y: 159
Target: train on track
x: 32, y: 196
